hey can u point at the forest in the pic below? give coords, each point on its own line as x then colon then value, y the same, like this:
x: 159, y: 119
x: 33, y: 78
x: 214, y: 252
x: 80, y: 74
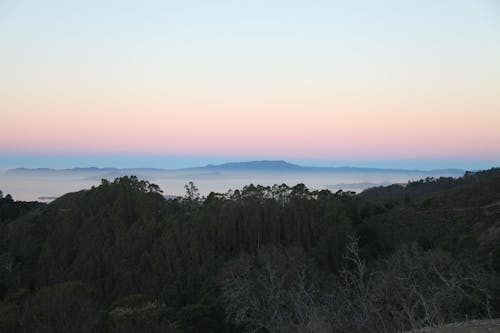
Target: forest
x: 120, y: 257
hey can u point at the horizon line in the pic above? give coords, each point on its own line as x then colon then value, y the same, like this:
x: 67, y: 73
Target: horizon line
x: 236, y: 163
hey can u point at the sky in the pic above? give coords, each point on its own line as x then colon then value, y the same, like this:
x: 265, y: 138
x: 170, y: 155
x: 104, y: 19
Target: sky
x: 412, y: 84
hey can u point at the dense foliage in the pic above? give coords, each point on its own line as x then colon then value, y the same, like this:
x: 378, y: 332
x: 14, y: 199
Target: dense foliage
x: 121, y: 258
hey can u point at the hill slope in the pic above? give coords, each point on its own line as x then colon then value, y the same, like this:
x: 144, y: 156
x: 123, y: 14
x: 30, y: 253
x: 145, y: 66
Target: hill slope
x: 119, y: 257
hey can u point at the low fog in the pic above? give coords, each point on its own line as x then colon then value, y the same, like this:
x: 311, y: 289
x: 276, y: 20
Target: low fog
x: 48, y: 184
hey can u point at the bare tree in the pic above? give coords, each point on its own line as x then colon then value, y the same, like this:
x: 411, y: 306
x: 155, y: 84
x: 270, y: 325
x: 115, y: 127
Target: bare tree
x: 273, y: 291
x: 411, y: 289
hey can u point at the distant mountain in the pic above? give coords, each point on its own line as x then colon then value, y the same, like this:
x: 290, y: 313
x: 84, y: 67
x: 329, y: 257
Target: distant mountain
x: 255, y: 165
x: 90, y: 170
x: 264, y: 165
x: 51, y: 170
x: 280, y: 165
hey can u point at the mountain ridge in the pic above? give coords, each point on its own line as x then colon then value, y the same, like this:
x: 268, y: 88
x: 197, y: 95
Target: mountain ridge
x: 257, y: 165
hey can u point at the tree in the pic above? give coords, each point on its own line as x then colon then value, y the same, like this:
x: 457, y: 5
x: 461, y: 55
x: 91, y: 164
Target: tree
x: 63, y: 307
x: 410, y: 289
x: 154, y: 188
x: 275, y: 291
x: 192, y: 193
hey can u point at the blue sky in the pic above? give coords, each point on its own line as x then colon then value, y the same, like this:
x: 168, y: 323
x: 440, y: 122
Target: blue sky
x: 179, y: 161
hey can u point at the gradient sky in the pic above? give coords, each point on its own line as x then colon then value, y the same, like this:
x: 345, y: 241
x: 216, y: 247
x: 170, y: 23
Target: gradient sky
x: 348, y: 82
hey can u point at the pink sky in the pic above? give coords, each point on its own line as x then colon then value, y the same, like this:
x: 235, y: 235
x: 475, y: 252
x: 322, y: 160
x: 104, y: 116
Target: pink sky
x: 321, y: 126
x: 316, y: 80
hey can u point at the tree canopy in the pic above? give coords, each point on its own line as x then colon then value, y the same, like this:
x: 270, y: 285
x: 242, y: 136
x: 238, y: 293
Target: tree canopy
x: 119, y: 257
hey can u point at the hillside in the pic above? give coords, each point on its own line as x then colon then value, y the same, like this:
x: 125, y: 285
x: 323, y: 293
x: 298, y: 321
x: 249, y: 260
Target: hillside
x: 119, y: 257
x: 474, y: 326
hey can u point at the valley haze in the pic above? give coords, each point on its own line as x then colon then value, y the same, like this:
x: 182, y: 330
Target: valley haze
x: 46, y: 184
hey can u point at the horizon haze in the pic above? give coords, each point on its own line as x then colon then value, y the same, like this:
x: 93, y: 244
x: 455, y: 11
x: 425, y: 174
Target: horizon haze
x: 46, y: 184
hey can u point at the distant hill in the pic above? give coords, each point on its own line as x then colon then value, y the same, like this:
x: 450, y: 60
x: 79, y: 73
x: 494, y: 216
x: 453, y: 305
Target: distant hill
x: 281, y: 165
x: 264, y: 165
x: 75, y: 170
x: 255, y: 165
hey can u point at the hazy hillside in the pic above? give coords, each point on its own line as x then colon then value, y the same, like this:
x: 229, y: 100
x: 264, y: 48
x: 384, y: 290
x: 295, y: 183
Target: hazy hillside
x: 119, y: 257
